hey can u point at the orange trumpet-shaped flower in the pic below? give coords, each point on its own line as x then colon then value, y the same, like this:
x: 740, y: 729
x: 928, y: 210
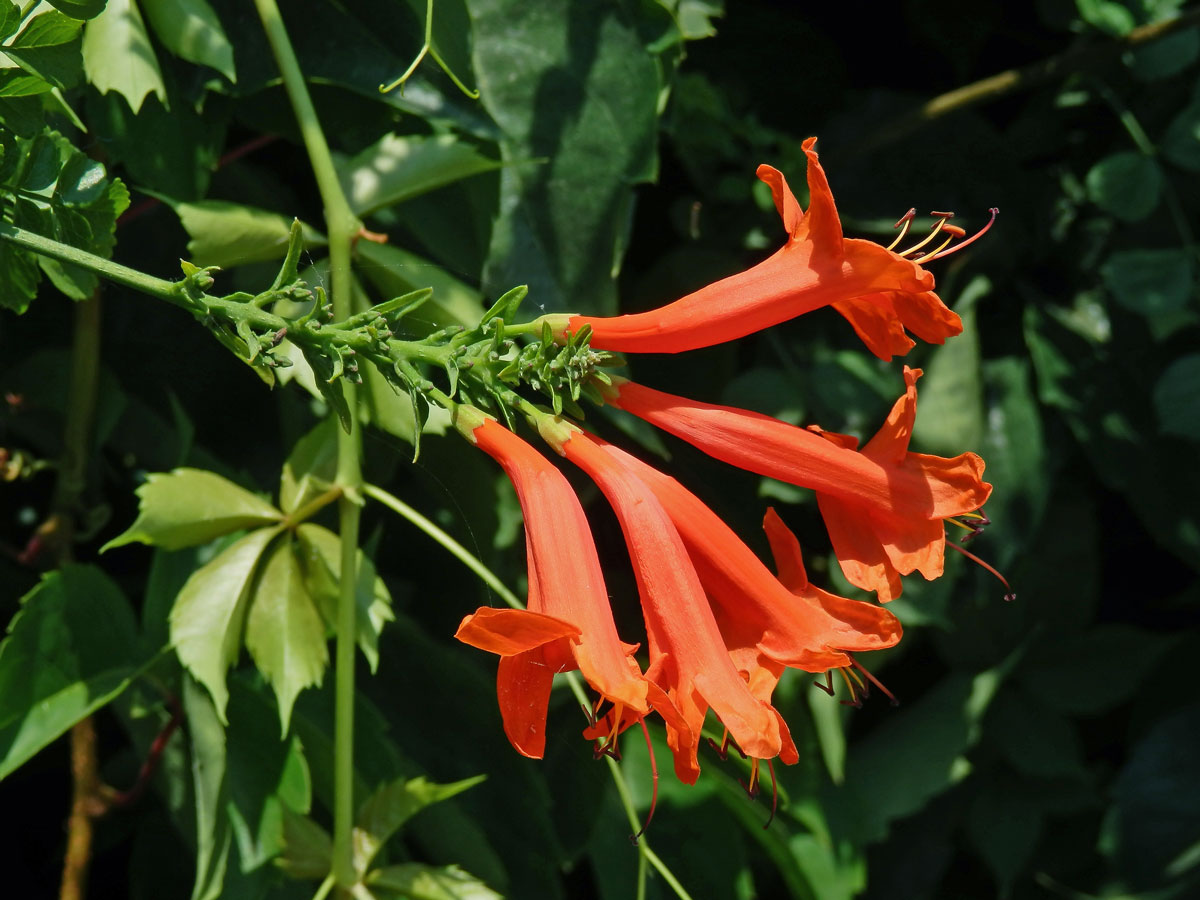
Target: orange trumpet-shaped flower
x: 883, y: 506
x: 880, y: 292
x: 568, y: 623
x: 688, y: 657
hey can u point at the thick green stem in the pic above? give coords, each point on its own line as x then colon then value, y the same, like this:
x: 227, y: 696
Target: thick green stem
x: 341, y: 226
x: 106, y: 268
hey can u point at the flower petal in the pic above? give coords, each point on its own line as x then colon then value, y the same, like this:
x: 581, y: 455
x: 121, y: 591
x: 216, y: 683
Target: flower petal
x: 785, y: 200
x: 508, y: 632
x: 523, y: 685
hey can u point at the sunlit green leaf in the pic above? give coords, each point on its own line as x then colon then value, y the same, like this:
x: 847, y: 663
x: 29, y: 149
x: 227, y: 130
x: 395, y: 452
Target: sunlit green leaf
x: 48, y: 47
x: 417, y: 881
x: 207, y: 620
x: 284, y: 631
x: 229, y: 234
x: 118, y: 56
x: 191, y: 506
x: 206, y: 734
x: 70, y: 649
x: 399, y: 167
x: 310, y: 469
x: 191, y: 30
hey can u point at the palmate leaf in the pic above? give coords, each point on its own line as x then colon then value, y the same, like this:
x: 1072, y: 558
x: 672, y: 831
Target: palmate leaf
x: 50, y: 187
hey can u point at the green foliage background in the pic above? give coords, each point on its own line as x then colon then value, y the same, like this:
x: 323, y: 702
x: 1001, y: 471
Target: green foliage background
x: 1042, y: 748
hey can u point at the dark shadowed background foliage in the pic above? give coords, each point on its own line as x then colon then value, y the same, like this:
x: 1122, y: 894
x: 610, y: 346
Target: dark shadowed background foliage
x: 1042, y: 748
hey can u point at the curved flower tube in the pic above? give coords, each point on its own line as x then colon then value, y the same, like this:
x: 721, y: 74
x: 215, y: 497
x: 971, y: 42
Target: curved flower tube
x: 883, y: 506
x: 568, y: 623
x: 688, y: 657
x: 880, y: 292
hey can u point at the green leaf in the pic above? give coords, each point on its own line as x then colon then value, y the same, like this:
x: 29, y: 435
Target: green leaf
x: 1037, y: 741
x: 417, y: 881
x: 1181, y: 141
x: 1107, y: 15
x: 311, y: 468
x: 191, y: 506
x: 18, y: 286
x: 1177, y: 397
x: 916, y: 754
x: 206, y: 621
x: 267, y: 779
x: 395, y: 271
x: 1004, y: 824
x: 1126, y: 184
x: 321, y: 560
x: 79, y: 9
x: 229, y: 234
x: 1150, y: 282
x: 1079, y: 667
x: 1166, y: 56
x: 48, y: 47
x: 191, y: 30
x: 307, y: 848
x: 118, y: 56
x: 1158, y: 821
x: 396, y: 168
x: 208, y: 758
x: 70, y: 650
x: 10, y: 18
x: 385, y: 812
x: 563, y: 224
x: 284, y: 631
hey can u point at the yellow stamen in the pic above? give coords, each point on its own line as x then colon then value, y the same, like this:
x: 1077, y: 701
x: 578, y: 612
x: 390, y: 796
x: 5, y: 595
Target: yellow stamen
x: 906, y: 222
x: 941, y: 223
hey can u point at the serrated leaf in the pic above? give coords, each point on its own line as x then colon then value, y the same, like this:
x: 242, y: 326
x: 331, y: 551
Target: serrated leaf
x: 1126, y: 184
x: 321, y: 559
x: 70, y: 649
x: 118, y: 55
x: 230, y: 234
x: 49, y: 47
x: 192, y: 506
x: 417, y: 881
x: 399, y: 167
x: 207, y: 619
x: 284, y: 631
x: 1150, y: 282
x: 18, y: 286
x: 191, y: 30
x: 10, y: 18
x: 1177, y: 398
x: 385, y: 812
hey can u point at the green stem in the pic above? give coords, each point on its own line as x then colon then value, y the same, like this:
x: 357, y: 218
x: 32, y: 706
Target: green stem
x: 457, y: 550
x: 132, y: 278
x: 308, y: 510
x: 341, y: 226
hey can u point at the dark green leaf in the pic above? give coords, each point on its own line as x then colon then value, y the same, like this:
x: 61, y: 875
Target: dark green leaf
x: 1158, y: 821
x: 284, y: 631
x: 48, y: 47
x: 386, y: 811
x: 213, y: 834
x: 267, y: 779
x: 118, y: 56
x: 397, y: 168
x: 1079, y: 667
x: 562, y: 225
x: 70, y: 650
x: 1126, y: 184
x: 1167, y: 56
x: 1004, y: 824
x: 1036, y: 740
x: 79, y: 9
x: 191, y: 30
x: 307, y: 851
x: 951, y: 393
x: 395, y: 271
x: 206, y: 622
x: 417, y: 881
x: 310, y: 469
x: 1177, y: 398
x: 1181, y: 142
x: 191, y: 506
x: 1150, y: 282
x: 10, y: 18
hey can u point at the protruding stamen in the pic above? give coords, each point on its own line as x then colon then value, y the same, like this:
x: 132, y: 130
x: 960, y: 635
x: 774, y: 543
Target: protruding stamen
x: 972, y: 239
x: 977, y: 522
x: 854, y: 700
x: 906, y: 221
x: 774, y: 796
x: 875, y: 681
x: 654, y: 785
x: 827, y: 687
x: 933, y: 232
x: 1011, y: 595
x: 751, y: 787
x: 951, y: 232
